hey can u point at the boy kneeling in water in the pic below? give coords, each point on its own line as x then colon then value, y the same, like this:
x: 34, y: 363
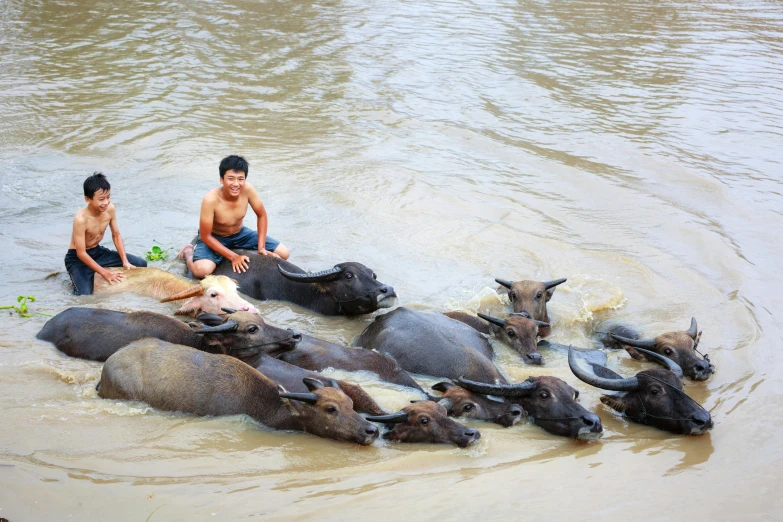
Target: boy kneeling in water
x: 85, y: 256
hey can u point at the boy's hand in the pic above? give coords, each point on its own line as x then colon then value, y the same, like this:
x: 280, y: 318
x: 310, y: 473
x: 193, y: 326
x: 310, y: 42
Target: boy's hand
x: 240, y: 263
x: 127, y: 266
x: 113, y: 277
x: 265, y: 252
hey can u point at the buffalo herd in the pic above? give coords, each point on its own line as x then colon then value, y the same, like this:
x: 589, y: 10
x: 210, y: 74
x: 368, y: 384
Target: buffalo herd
x: 225, y: 359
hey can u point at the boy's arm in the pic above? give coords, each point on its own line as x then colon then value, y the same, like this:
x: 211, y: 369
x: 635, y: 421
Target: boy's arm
x: 206, y: 219
x: 117, y: 238
x: 79, y: 243
x: 262, y: 221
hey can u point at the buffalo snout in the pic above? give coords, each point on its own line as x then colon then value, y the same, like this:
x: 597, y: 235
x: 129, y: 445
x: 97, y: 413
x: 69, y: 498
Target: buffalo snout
x: 513, y: 416
x: 701, y: 422
x: 534, y: 358
x: 469, y: 436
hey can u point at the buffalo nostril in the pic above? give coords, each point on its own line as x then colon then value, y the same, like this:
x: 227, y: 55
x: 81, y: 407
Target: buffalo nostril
x: 372, y: 430
x: 701, y: 418
x: 587, y: 420
x: 384, y: 290
x: 470, y: 433
x: 296, y: 337
x: 535, y: 358
x: 516, y: 411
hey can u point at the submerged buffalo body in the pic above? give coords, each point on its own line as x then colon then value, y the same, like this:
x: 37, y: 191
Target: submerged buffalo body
x: 95, y: 334
x: 177, y: 378
x: 652, y: 397
x: 346, y: 289
x: 431, y: 344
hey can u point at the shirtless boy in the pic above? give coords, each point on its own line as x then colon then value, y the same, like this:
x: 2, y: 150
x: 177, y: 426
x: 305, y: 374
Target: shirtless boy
x: 85, y: 256
x: 220, y: 224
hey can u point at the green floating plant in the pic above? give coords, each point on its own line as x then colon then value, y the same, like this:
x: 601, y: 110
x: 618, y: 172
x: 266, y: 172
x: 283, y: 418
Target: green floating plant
x: 157, y: 254
x: 22, y: 308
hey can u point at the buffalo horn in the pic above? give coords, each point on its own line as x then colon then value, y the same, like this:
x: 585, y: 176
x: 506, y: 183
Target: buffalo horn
x: 627, y: 384
x: 446, y: 403
x: 228, y: 326
x: 190, y: 292
x: 671, y: 365
x: 542, y: 324
x: 312, y: 277
x: 309, y: 398
x: 502, y: 390
x: 552, y: 284
x: 493, y: 320
x: 504, y: 282
x: 392, y: 418
x: 694, y: 329
x: 633, y: 342
x: 229, y: 310
x: 312, y: 384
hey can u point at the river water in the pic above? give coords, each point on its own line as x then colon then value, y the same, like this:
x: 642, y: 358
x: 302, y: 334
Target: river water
x: 632, y: 147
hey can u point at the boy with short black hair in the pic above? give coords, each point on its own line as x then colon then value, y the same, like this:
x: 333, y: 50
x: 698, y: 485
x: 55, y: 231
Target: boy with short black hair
x: 85, y: 256
x: 221, y: 228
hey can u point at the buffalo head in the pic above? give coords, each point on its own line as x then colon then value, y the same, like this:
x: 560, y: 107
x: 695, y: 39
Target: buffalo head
x: 354, y: 288
x: 210, y: 295
x: 521, y: 333
x: 244, y: 334
x: 681, y: 347
x: 460, y: 402
x: 652, y: 397
x: 426, y: 421
x: 328, y: 412
x: 532, y: 297
x: 550, y: 402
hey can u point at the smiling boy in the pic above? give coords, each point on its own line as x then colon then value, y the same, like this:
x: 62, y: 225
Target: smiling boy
x: 85, y: 256
x: 221, y: 223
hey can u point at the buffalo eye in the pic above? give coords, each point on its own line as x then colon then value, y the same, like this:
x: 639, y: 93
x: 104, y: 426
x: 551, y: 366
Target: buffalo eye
x: 544, y: 395
x: 213, y: 294
x: 539, y: 294
x: 425, y: 420
x: 576, y: 394
x: 510, y: 333
x: 667, y: 351
x: 331, y: 409
x: 252, y: 329
x: 467, y: 407
x: 349, y: 275
x: 655, y: 392
x: 512, y: 296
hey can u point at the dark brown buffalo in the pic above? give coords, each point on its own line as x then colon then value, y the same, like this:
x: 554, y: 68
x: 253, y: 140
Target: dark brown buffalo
x: 681, y: 347
x: 549, y: 402
x: 293, y: 379
x: 652, y: 397
x: 431, y: 344
x: 317, y: 355
x: 346, y: 289
x: 463, y: 403
x: 95, y: 334
x: 426, y: 421
x: 532, y: 297
x: 177, y: 378
x: 519, y: 331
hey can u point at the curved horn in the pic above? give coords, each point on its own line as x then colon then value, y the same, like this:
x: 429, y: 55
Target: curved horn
x: 554, y: 283
x: 229, y: 310
x: 309, y: 398
x: 311, y: 277
x: 627, y: 384
x: 502, y: 390
x: 312, y: 384
x: 446, y: 403
x: 443, y: 386
x: 392, y: 418
x: 523, y: 313
x: 190, y: 292
x: 693, y: 330
x: 228, y: 326
x: 542, y: 324
x: 671, y: 365
x: 504, y: 282
x: 633, y: 342
x: 493, y: 320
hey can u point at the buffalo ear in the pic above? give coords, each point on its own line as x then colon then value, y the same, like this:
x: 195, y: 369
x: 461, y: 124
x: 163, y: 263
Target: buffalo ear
x: 615, y: 403
x: 549, y: 293
x: 313, y: 384
x: 211, y: 319
x: 633, y: 353
x: 443, y: 386
x: 332, y: 383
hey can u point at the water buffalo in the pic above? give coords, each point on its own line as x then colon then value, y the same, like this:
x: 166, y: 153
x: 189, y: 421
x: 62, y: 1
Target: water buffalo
x: 346, y: 289
x: 550, y: 402
x: 681, y: 347
x: 652, y: 397
x: 317, y: 355
x: 206, y: 296
x: 460, y: 402
x: 177, y: 378
x: 293, y: 379
x: 532, y: 297
x: 519, y: 331
x: 95, y: 334
x: 426, y: 421
x: 431, y: 344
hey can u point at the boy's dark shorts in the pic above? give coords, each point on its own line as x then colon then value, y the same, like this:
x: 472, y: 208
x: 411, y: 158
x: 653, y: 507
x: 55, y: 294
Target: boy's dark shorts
x: 245, y: 239
x: 83, y: 277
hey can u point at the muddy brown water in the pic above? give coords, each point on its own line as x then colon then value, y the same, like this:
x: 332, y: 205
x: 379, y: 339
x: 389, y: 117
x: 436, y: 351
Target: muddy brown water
x: 634, y: 148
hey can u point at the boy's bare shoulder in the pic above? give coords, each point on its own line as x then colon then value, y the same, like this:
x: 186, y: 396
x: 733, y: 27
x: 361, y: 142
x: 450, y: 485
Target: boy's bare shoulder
x: 80, y: 216
x: 212, y: 196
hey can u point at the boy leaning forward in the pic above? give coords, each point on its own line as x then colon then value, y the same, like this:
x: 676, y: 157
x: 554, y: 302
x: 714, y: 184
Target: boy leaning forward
x: 220, y: 224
